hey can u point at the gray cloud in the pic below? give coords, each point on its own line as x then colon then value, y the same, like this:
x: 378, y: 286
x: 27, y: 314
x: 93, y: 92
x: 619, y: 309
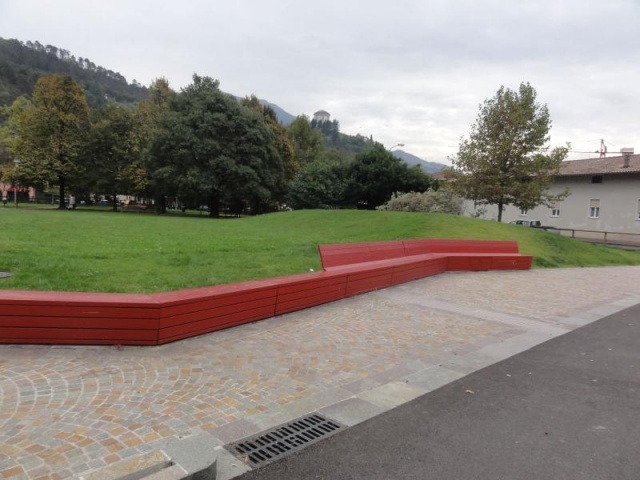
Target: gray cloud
x: 408, y: 71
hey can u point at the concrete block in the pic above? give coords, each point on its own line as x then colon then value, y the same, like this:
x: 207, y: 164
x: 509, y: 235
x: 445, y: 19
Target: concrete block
x: 138, y: 468
x: 196, y: 454
x: 392, y: 394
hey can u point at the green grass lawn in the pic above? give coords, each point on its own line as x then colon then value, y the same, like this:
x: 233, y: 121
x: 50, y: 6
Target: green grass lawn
x: 80, y: 250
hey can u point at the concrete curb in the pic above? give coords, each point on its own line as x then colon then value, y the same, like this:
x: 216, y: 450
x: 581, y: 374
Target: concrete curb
x: 192, y: 458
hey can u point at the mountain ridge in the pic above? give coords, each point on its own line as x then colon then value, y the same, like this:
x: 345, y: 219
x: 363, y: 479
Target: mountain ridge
x: 411, y: 160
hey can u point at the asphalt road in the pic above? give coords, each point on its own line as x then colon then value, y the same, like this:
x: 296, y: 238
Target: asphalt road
x: 566, y: 409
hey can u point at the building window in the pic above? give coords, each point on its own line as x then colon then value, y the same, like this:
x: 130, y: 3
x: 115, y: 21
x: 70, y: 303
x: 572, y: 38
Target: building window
x: 596, y: 179
x: 594, y: 208
x: 523, y: 212
x: 555, y: 212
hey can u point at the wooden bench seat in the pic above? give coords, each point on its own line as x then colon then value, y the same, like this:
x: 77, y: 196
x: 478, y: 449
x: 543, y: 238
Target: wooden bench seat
x: 372, y: 265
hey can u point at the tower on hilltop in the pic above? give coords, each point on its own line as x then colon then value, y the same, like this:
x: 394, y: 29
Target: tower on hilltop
x: 321, y: 116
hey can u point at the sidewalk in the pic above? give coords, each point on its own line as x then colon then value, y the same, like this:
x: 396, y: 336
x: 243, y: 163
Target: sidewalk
x: 566, y: 409
x: 66, y: 410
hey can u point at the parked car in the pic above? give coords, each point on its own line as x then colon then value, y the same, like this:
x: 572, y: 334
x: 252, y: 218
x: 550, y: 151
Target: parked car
x: 528, y: 223
x: 536, y: 224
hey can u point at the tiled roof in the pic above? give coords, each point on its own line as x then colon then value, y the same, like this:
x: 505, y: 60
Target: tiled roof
x: 599, y: 166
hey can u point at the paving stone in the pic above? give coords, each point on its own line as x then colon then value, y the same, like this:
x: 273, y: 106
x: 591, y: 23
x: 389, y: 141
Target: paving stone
x: 392, y: 394
x: 433, y: 378
x: 235, y: 431
x: 228, y: 465
x: 352, y: 411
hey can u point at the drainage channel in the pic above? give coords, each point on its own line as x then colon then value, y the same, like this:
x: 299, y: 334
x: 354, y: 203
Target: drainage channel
x: 278, y: 442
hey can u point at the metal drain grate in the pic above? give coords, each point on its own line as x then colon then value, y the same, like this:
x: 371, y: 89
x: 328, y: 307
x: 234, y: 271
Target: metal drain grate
x: 280, y: 441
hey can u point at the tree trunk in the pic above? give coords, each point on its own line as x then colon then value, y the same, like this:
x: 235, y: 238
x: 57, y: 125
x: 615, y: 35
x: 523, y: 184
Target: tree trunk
x: 500, y: 205
x: 214, y: 206
x: 257, y: 207
x: 160, y: 201
x: 114, y: 202
x: 61, y: 182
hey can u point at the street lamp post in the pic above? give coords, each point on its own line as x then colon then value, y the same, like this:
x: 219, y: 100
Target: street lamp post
x: 16, y: 162
x: 398, y: 145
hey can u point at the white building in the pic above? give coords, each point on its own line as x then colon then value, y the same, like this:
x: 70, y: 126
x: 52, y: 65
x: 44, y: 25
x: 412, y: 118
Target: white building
x: 604, y: 196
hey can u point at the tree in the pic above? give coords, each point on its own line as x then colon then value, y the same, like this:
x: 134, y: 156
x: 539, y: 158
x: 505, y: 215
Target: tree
x: 114, y: 153
x: 374, y: 176
x: 283, y: 143
x: 48, y: 132
x: 147, y: 120
x: 308, y: 143
x: 149, y: 110
x: 208, y: 148
x: 13, y: 117
x: 505, y: 161
x: 321, y: 183
x: 330, y: 130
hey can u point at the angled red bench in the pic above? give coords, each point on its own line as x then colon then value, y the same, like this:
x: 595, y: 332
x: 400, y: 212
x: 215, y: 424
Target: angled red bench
x: 135, y: 319
x: 372, y: 265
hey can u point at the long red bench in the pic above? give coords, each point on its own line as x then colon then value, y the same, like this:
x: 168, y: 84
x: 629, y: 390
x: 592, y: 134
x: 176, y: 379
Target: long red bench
x: 135, y: 319
x: 373, y: 265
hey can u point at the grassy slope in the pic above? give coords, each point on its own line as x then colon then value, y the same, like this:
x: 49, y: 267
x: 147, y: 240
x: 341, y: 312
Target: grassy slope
x: 89, y: 251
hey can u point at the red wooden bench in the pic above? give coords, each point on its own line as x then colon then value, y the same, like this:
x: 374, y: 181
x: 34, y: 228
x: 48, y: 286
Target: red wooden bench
x: 372, y: 265
x: 77, y: 318
x: 131, y: 319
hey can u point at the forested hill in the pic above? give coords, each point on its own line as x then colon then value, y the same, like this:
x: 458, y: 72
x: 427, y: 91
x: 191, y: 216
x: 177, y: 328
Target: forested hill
x: 22, y: 63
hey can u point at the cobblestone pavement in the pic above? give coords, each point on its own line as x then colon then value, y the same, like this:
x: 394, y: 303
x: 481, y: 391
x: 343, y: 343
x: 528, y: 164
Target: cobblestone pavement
x: 67, y: 410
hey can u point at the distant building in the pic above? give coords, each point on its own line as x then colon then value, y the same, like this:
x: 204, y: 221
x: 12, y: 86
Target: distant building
x: 24, y: 193
x: 322, y: 116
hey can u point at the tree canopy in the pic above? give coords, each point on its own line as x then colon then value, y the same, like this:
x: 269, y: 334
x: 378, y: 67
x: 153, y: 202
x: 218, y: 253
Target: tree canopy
x: 374, y: 176
x: 113, y: 151
x: 208, y: 148
x: 505, y: 160
x: 47, y: 133
x: 282, y: 141
x: 321, y: 183
x: 308, y: 143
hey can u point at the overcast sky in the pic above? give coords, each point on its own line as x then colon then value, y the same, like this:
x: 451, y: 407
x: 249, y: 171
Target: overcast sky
x: 404, y: 71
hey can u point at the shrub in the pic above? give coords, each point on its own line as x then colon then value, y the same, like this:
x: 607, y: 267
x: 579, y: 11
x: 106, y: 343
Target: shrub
x: 430, y: 201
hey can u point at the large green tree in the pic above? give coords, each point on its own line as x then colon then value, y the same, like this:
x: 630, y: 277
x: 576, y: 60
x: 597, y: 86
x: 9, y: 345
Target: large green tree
x: 208, y: 148
x: 114, y: 152
x: 374, y: 176
x: 147, y: 120
x: 48, y: 133
x: 308, y: 143
x: 506, y: 160
x: 282, y: 142
x: 321, y: 183
x: 149, y: 110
